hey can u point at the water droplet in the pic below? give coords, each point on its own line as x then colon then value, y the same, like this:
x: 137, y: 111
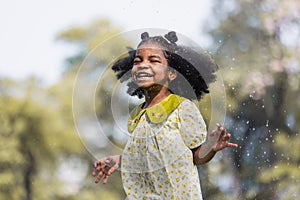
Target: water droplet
x: 247, y: 122
x: 233, y: 59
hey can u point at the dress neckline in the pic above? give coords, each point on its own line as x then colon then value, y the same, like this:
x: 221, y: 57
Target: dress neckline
x: 157, y: 113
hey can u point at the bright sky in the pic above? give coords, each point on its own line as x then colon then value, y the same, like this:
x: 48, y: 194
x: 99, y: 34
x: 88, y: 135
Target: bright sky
x: 28, y: 28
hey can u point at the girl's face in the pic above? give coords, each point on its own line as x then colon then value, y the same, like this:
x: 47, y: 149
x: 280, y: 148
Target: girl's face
x: 151, y: 67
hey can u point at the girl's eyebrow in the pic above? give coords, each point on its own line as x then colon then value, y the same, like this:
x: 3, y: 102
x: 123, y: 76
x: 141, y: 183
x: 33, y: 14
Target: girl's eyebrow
x: 150, y: 56
x: 154, y: 56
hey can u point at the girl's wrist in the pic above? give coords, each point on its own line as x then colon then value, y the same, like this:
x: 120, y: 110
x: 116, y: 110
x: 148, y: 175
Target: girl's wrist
x: 213, y: 151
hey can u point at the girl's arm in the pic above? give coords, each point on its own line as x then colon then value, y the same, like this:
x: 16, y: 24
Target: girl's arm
x: 202, y: 160
x: 106, y: 167
x: 216, y: 141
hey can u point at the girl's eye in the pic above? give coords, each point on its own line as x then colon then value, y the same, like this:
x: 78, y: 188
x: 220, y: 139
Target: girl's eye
x: 136, y: 61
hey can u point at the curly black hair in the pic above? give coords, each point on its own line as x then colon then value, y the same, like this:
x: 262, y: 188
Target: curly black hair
x: 195, y: 69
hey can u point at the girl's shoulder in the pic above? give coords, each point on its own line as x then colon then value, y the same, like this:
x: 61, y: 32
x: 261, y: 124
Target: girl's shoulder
x: 186, y: 102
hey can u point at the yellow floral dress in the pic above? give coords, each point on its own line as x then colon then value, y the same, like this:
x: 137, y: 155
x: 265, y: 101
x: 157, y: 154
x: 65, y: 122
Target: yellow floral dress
x: 157, y: 161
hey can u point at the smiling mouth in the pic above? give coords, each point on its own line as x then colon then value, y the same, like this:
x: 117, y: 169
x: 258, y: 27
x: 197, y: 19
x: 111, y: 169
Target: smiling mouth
x: 143, y: 75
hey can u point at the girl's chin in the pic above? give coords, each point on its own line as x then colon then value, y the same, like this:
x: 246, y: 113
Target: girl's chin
x: 144, y: 83
x: 145, y: 86
x: 151, y: 87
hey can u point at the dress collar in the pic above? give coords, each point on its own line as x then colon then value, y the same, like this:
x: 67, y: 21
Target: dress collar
x: 157, y: 113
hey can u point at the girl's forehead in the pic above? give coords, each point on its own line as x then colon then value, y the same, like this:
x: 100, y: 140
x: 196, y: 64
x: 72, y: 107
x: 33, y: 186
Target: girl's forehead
x: 151, y: 44
x: 150, y: 47
x: 147, y: 51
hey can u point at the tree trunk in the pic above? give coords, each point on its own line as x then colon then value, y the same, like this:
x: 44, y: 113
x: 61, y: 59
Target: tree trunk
x: 28, y: 173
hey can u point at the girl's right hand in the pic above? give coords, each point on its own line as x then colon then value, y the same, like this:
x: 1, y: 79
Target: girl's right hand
x: 106, y: 167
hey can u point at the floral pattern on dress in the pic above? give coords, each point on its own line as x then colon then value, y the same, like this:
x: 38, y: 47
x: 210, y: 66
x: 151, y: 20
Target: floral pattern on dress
x: 157, y: 161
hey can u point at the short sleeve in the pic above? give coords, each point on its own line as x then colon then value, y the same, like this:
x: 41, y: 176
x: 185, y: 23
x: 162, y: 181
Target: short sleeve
x: 192, y: 126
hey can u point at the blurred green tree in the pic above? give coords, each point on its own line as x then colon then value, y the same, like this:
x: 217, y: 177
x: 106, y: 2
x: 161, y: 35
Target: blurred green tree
x: 257, y: 43
x: 33, y: 135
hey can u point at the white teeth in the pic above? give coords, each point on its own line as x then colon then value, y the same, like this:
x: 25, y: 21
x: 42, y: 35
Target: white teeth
x: 140, y: 75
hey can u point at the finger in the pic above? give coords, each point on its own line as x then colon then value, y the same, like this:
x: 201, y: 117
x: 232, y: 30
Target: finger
x: 109, y: 170
x: 99, y: 177
x: 220, y: 128
x: 232, y: 145
x: 112, y: 169
x: 105, y: 179
x: 222, y: 133
x: 96, y: 163
x: 213, y: 132
x: 94, y: 173
x: 226, y: 136
x: 98, y: 169
x: 101, y: 165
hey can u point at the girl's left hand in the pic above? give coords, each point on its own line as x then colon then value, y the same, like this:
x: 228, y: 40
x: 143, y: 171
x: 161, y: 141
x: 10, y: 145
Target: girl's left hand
x: 222, y: 141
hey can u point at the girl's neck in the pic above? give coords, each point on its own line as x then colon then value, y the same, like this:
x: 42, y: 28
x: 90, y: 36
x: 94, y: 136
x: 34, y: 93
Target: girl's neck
x: 153, y: 97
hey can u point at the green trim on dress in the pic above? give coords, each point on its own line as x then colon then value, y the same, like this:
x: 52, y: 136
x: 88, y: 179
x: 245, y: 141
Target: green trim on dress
x: 157, y: 113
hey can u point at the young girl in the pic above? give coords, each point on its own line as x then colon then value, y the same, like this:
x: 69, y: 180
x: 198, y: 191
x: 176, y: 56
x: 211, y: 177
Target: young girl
x: 167, y: 130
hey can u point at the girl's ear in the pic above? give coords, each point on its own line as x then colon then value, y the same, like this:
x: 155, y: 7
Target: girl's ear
x: 172, y: 74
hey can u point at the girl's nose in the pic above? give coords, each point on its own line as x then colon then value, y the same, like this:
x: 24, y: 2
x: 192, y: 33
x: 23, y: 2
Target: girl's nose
x: 143, y: 66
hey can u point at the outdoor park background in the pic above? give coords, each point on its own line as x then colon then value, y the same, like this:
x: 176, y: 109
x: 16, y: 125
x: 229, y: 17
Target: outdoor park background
x: 255, y: 43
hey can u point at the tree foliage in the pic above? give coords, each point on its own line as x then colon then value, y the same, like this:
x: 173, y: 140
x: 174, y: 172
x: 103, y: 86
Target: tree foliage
x: 33, y: 135
x: 256, y: 43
